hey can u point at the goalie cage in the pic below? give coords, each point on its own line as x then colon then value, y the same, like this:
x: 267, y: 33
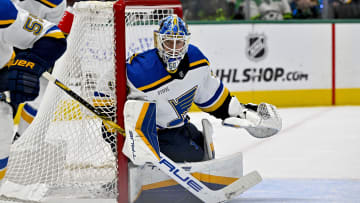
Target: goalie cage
x: 63, y: 153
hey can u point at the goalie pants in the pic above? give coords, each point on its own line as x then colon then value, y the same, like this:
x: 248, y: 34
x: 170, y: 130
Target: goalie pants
x: 182, y: 144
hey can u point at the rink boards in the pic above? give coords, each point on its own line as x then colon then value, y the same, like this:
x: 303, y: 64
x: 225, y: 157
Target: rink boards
x: 286, y: 64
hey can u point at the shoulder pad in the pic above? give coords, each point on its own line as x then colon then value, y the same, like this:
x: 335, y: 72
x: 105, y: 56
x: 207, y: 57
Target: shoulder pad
x: 8, y: 13
x: 55, y: 32
x: 146, y: 71
x: 196, y: 57
x: 50, y: 3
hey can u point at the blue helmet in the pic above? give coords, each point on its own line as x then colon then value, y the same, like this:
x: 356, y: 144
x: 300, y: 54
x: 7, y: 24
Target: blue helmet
x: 172, y: 41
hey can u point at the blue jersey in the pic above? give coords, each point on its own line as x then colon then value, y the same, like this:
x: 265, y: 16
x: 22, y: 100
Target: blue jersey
x: 148, y: 80
x: 50, y: 10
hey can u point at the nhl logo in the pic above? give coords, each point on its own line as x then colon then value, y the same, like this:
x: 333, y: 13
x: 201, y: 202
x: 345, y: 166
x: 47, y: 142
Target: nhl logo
x: 256, y: 47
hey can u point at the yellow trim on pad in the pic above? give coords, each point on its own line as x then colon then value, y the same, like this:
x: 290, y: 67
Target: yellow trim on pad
x: 2, y: 173
x: 221, y: 180
x: 161, y: 184
x: 18, y: 114
x: 26, y: 117
x: 138, y: 129
x: 212, y: 147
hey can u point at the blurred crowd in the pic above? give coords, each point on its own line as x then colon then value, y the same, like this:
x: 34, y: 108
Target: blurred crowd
x: 267, y: 9
x: 270, y: 9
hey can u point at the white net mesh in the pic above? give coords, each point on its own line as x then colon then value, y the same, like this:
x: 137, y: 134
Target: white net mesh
x: 67, y: 149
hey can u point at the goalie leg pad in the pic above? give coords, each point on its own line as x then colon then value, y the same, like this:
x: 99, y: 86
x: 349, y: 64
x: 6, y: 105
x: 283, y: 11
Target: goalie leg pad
x: 216, y: 174
x: 6, y: 126
x: 27, y: 115
x: 208, y: 131
x: 141, y: 143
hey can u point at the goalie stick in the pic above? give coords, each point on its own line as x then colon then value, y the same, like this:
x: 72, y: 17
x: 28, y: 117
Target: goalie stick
x: 201, y: 191
x: 82, y: 101
x: 169, y: 167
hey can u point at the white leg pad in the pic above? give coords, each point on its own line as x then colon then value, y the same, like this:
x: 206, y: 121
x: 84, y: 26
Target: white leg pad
x: 6, y: 128
x: 208, y: 132
x: 141, y: 143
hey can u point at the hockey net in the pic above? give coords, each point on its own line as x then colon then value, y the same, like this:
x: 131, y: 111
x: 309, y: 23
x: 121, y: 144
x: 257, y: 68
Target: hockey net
x: 67, y: 151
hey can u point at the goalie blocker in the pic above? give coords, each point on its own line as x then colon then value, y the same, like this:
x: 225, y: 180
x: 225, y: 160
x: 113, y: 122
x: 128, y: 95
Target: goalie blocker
x: 152, y: 173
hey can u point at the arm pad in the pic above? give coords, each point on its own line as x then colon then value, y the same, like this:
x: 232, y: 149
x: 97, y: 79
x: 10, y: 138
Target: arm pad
x: 233, y: 108
x: 222, y: 111
x: 49, y: 49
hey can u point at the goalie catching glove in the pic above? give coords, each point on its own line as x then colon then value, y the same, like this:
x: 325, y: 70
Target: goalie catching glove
x: 260, y: 121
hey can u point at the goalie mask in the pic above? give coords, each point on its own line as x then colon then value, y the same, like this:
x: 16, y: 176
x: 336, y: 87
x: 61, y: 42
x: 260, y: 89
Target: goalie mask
x: 172, y: 41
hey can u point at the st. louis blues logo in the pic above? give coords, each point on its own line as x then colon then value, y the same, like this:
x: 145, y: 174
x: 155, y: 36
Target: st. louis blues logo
x: 256, y: 47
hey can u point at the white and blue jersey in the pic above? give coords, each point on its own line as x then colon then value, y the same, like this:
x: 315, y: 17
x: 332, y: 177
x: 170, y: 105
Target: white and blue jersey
x: 18, y: 28
x: 148, y: 80
x: 50, y: 10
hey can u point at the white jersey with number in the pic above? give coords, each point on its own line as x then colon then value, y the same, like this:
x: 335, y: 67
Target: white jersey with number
x: 18, y: 28
x: 50, y: 10
x: 148, y: 80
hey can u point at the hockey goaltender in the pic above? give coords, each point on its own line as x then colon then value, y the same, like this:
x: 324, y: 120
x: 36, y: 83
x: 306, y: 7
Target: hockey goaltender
x: 163, y: 83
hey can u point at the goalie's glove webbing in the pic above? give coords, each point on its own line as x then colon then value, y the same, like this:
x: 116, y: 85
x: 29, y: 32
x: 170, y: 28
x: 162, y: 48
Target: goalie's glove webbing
x: 262, y: 123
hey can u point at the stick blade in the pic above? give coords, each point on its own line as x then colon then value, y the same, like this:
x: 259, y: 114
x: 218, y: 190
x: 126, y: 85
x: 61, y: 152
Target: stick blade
x: 243, y: 184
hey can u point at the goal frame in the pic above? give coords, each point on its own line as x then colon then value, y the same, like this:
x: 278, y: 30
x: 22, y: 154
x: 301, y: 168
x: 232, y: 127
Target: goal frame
x: 120, y: 63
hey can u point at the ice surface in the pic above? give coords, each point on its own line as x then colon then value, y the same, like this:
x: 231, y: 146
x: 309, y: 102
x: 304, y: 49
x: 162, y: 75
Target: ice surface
x: 315, y: 158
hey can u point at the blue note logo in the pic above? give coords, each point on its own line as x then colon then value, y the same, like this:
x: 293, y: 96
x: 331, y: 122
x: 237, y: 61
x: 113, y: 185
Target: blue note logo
x: 181, y: 105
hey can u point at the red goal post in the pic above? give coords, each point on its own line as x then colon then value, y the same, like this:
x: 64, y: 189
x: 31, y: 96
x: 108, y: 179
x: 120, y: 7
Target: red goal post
x: 120, y: 39
x: 67, y: 152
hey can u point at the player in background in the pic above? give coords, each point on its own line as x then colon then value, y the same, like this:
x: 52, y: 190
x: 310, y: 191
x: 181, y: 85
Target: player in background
x: 175, y: 75
x: 53, y: 11
x: 270, y: 10
x: 19, y: 73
